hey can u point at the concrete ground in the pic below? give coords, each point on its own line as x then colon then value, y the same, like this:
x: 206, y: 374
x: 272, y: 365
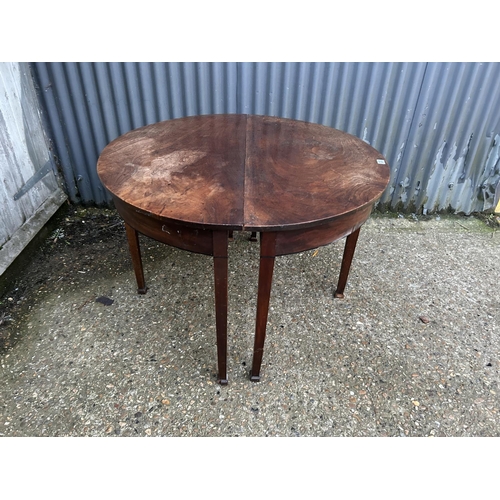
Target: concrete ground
x: 412, y: 350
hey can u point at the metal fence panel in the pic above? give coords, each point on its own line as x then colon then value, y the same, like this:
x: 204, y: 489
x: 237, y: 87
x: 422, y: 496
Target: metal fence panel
x: 451, y: 157
x: 437, y: 123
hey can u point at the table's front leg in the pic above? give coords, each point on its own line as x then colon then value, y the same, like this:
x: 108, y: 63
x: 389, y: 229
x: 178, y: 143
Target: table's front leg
x: 135, y: 253
x: 350, y: 246
x: 220, y: 239
x: 266, y: 267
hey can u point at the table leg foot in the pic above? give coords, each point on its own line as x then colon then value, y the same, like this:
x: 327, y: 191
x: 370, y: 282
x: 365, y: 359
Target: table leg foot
x: 266, y: 267
x: 350, y: 246
x: 220, y: 239
x: 135, y: 253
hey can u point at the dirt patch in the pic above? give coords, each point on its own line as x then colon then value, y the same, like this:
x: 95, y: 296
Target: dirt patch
x: 73, y: 239
x: 491, y: 220
x: 81, y: 243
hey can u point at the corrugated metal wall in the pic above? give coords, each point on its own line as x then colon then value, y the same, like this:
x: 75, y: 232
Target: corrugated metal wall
x: 438, y: 124
x: 452, y: 154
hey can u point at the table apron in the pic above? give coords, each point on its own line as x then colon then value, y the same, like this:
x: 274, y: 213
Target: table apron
x: 300, y: 240
x: 168, y: 232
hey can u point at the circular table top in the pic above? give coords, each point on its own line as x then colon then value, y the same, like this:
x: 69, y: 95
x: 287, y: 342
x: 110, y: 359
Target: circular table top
x: 243, y: 172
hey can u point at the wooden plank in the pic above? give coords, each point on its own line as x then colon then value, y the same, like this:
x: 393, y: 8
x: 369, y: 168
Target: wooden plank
x: 24, y: 150
x: 20, y: 239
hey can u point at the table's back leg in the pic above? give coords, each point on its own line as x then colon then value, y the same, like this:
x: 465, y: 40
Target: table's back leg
x: 253, y: 236
x: 220, y: 239
x: 267, y: 256
x: 135, y: 253
x: 350, y: 246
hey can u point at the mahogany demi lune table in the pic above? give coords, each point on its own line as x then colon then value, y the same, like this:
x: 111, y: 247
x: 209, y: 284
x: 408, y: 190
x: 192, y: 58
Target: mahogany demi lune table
x: 191, y: 182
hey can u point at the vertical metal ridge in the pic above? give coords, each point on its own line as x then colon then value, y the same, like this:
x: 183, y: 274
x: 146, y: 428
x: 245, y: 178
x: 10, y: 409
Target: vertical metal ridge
x: 148, y: 93
x: 204, y: 74
x: 65, y: 79
x: 106, y: 103
x: 162, y: 100
x: 89, y: 129
x: 48, y: 100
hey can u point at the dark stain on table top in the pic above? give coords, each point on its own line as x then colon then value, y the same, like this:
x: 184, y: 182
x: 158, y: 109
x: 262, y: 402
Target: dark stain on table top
x: 243, y: 171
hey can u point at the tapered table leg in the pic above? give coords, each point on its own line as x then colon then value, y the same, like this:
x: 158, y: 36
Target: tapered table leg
x: 220, y: 239
x: 267, y: 256
x: 350, y: 246
x: 135, y: 253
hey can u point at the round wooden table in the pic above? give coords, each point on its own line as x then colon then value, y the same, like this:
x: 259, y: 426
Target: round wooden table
x: 191, y: 182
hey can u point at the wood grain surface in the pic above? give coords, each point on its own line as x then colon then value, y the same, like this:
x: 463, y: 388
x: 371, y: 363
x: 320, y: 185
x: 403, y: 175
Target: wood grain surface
x: 301, y: 174
x: 186, y: 170
x: 249, y: 172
